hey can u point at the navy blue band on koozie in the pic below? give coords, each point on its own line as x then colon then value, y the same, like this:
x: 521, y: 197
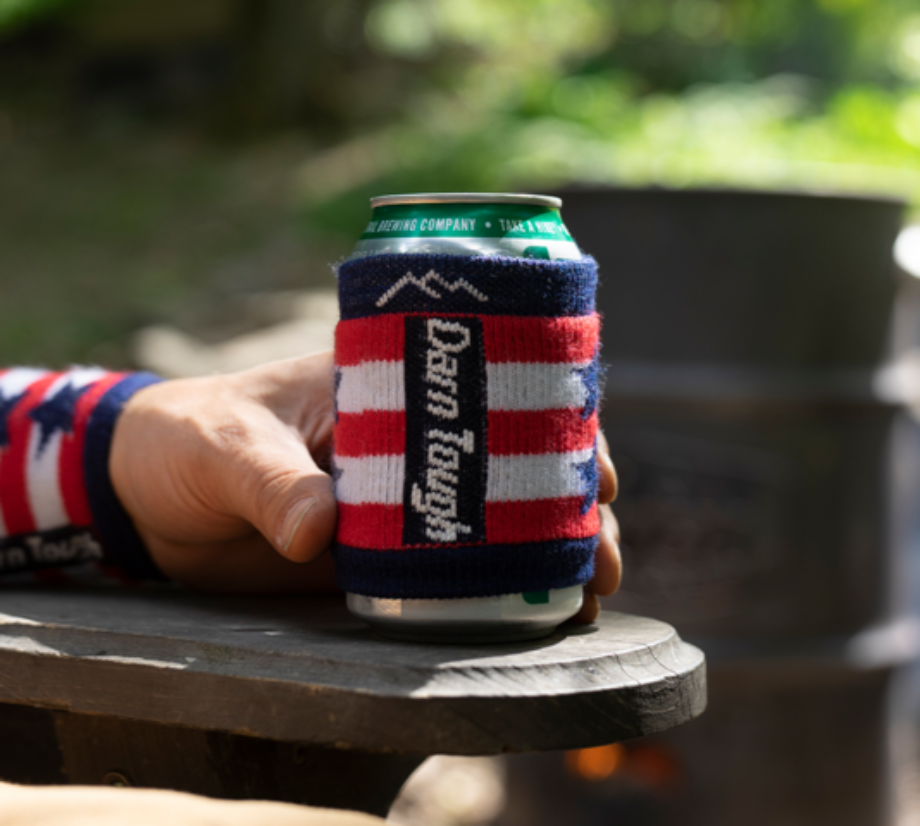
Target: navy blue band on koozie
x: 514, y: 286
x: 474, y: 571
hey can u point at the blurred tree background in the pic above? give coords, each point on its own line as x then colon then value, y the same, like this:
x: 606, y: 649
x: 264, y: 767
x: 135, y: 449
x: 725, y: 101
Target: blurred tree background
x: 163, y: 159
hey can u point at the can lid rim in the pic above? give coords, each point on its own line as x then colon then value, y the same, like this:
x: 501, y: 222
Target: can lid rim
x: 467, y: 198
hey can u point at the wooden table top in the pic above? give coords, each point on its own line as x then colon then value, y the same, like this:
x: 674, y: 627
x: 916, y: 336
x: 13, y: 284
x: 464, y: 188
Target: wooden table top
x: 302, y: 669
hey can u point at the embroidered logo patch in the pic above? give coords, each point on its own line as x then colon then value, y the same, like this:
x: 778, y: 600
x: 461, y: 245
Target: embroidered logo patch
x: 446, y: 420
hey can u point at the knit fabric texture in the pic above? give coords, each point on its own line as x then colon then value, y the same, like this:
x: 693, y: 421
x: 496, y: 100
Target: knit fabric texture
x: 58, y: 509
x: 466, y: 424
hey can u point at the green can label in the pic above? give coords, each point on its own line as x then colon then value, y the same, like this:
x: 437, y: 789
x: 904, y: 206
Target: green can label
x: 473, y: 225
x: 466, y: 221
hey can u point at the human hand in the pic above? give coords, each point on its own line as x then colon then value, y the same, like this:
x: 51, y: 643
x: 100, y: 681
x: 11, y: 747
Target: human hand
x: 225, y: 479
x: 224, y: 476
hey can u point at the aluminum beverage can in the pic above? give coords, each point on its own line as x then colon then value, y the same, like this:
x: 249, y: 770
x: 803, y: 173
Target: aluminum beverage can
x: 475, y: 225
x: 472, y: 223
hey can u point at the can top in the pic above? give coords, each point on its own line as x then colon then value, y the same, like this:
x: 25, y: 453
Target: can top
x: 467, y: 198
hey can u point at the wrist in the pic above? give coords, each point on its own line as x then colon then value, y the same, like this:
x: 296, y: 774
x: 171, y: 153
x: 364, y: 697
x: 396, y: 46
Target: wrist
x: 120, y: 538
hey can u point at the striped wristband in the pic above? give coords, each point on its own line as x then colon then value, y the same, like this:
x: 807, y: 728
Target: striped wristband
x: 57, y: 505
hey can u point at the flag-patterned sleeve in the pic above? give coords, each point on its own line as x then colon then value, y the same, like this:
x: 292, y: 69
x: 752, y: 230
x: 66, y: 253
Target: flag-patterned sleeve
x: 58, y: 509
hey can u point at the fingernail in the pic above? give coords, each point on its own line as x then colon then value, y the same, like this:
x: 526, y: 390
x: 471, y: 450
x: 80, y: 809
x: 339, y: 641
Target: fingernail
x: 292, y: 521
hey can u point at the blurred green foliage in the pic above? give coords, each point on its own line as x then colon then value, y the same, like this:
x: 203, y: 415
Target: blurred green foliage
x: 120, y: 171
x: 495, y: 94
x: 539, y: 93
x: 19, y: 12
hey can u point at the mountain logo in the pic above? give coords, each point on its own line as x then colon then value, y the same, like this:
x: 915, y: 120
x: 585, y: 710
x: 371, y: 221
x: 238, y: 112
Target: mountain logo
x: 426, y: 283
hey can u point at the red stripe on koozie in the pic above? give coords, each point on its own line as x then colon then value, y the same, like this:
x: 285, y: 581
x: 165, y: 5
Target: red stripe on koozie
x: 539, y: 520
x: 369, y: 339
x: 507, y: 338
x: 540, y: 340
x: 14, y: 497
x: 70, y: 460
x: 370, y: 526
x: 523, y: 432
x: 371, y: 433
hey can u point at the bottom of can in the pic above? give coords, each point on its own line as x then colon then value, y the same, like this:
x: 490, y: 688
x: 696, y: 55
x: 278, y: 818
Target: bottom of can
x: 507, y: 618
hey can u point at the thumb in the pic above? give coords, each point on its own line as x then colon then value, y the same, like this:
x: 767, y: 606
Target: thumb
x: 308, y: 526
x: 275, y: 485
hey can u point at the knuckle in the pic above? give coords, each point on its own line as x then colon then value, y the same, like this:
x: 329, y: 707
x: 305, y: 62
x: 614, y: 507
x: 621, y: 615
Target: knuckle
x: 267, y: 491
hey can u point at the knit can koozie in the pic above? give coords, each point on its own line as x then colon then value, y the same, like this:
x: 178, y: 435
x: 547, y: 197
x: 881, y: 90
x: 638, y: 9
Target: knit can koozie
x: 466, y: 423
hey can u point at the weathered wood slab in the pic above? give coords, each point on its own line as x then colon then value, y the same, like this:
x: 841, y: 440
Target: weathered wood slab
x: 302, y: 670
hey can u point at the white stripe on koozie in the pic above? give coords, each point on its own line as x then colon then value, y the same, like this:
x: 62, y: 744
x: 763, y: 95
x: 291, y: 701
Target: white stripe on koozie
x: 43, y: 470
x: 541, y: 476
x: 380, y: 385
x: 373, y: 385
x: 521, y: 386
x: 380, y: 479
x: 12, y: 383
x: 370, y: 479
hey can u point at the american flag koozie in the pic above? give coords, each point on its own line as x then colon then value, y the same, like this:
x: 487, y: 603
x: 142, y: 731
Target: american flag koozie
x: 466, y: 424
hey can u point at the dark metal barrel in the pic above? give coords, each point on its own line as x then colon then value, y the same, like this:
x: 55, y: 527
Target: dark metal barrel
x: 769, y: 490
x: 751, y: 424
x: 756, y: 280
